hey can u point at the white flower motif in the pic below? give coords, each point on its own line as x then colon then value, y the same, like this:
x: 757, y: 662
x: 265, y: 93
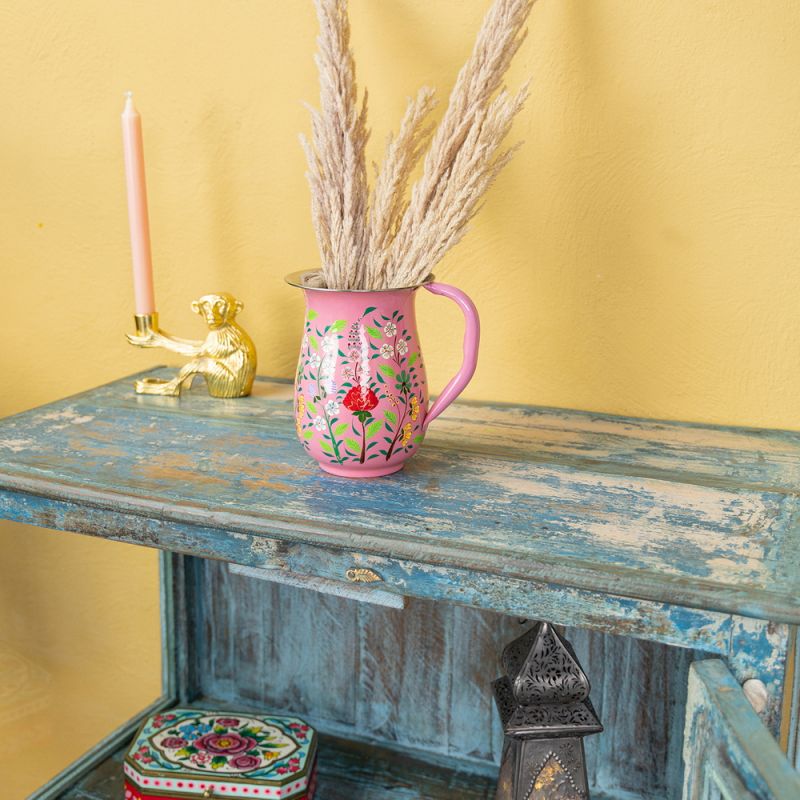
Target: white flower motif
x: 402, y: 346
x: 364, y: 377
x: 332, y: 407
x: 314, y: 361
x: 387, y: 351
x: 328, y: 371
x: 330, y: 344
x: 319, y: 423
x: 390, y: 329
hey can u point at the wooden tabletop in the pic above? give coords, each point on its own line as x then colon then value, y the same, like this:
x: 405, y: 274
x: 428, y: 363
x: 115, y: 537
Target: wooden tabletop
x: 700, y: 516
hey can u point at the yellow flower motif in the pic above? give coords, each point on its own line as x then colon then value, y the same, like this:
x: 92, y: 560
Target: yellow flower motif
x: 301, y: 411
x: 406, y: 434
x: 414, y: 407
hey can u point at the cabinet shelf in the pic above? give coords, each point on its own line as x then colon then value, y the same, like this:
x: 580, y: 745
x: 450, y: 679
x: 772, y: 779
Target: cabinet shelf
x: 348, y: 771
x: 647, y: 526
x: 674, y: 533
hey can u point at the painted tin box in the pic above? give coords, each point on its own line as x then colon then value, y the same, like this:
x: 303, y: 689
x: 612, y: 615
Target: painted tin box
x: 191, y: 753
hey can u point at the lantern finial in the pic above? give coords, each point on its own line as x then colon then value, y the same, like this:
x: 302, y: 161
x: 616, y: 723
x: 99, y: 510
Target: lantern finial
x: 545, y: 709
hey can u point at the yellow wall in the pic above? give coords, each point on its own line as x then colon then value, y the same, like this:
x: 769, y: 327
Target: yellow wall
x: 640, y: 256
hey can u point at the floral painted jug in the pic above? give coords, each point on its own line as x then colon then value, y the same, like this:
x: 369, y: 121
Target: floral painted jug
x: 361, y: 399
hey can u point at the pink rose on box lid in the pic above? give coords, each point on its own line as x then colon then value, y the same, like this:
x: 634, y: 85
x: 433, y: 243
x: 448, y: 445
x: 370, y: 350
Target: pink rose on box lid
x: 225, y: 743
x: 246, y: 762
x: 174, y: 742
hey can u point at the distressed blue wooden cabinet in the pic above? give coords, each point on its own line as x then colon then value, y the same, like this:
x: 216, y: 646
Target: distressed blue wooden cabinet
x: 669, y: 551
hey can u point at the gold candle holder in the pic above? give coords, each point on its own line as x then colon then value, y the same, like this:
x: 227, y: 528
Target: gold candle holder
x: 226, y: 358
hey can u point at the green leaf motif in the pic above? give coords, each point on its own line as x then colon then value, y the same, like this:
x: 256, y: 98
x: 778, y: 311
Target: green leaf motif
x: 341, y: 428
x: 387, y: 370
x: 374, y: 427
x: 412, y: 359
x: 312, y: 314
x: 312, y: 409
x: 218, y: 761
x: 326, y: 447
x: 314, y: 342
x: 308, y: 434
x: 353, y: 445
x: 391, y: 417
x: 375, y: 333
x: 338, y: 325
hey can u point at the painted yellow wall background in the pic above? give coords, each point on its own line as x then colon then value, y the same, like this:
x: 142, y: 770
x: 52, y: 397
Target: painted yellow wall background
x: 640, y: 256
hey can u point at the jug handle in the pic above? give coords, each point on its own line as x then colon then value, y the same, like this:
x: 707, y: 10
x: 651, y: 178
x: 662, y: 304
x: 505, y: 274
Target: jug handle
x: 472, y: 337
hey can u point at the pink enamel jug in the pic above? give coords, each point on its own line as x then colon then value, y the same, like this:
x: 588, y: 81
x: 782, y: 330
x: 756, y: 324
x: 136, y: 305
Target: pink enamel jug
x: 361, y: 400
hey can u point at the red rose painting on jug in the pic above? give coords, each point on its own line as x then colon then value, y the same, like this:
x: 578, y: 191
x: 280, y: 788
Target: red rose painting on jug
x: 361, y: 396
x: 372, y: 356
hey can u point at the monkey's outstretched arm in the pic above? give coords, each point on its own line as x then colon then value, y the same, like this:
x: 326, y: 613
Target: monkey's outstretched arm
x: 184, y: 347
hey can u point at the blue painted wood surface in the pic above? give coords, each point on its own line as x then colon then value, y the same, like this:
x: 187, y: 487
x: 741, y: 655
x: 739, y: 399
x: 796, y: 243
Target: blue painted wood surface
x: 666, y: 514
x: 681, y: 534
x: 663, y: 622
x: 728, y: 751
x: 420, y: 678
x: 347, y: 771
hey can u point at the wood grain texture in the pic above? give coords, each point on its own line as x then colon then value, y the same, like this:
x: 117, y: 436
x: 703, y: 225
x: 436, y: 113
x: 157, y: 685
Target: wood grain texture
x: 639, y: 692
x: 680, y: 534
x: 420, y: 679
x: 322, y: 585
x: 638, y: 755
x: 662, y: 622
x: 761, y: 650
x: 105, y: 782
x: 348, y: 771
x: 728, y: 751
x: 684, y: 515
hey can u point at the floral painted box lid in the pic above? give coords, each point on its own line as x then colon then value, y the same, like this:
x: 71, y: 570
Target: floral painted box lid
x: 188, y: 752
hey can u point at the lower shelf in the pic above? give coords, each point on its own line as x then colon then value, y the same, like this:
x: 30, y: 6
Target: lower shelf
x: 347, y: 771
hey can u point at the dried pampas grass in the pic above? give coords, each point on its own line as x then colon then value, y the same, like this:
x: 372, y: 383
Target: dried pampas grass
x: 389, y: 241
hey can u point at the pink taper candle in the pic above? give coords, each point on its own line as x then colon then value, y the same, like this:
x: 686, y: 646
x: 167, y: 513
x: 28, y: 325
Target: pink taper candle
x: 137, y: 208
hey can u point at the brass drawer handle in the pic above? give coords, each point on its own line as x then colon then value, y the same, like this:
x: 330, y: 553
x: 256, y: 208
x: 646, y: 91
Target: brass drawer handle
x: 362, y: 575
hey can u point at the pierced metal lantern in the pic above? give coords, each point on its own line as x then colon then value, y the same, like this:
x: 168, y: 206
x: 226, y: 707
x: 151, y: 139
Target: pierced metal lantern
x: 545, y: 709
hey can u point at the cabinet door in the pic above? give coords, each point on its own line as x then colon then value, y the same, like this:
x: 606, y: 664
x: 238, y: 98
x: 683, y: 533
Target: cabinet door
x: 728, y: 752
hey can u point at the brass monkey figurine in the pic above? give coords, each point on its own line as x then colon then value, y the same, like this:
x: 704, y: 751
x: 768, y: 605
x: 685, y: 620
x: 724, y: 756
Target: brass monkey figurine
x: 226, y: 359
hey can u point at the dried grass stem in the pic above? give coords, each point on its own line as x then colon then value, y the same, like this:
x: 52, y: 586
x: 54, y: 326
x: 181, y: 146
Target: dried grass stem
x: 388, y: 241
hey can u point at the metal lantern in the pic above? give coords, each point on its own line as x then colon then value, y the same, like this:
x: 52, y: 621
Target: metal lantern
x: 544, y: 706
